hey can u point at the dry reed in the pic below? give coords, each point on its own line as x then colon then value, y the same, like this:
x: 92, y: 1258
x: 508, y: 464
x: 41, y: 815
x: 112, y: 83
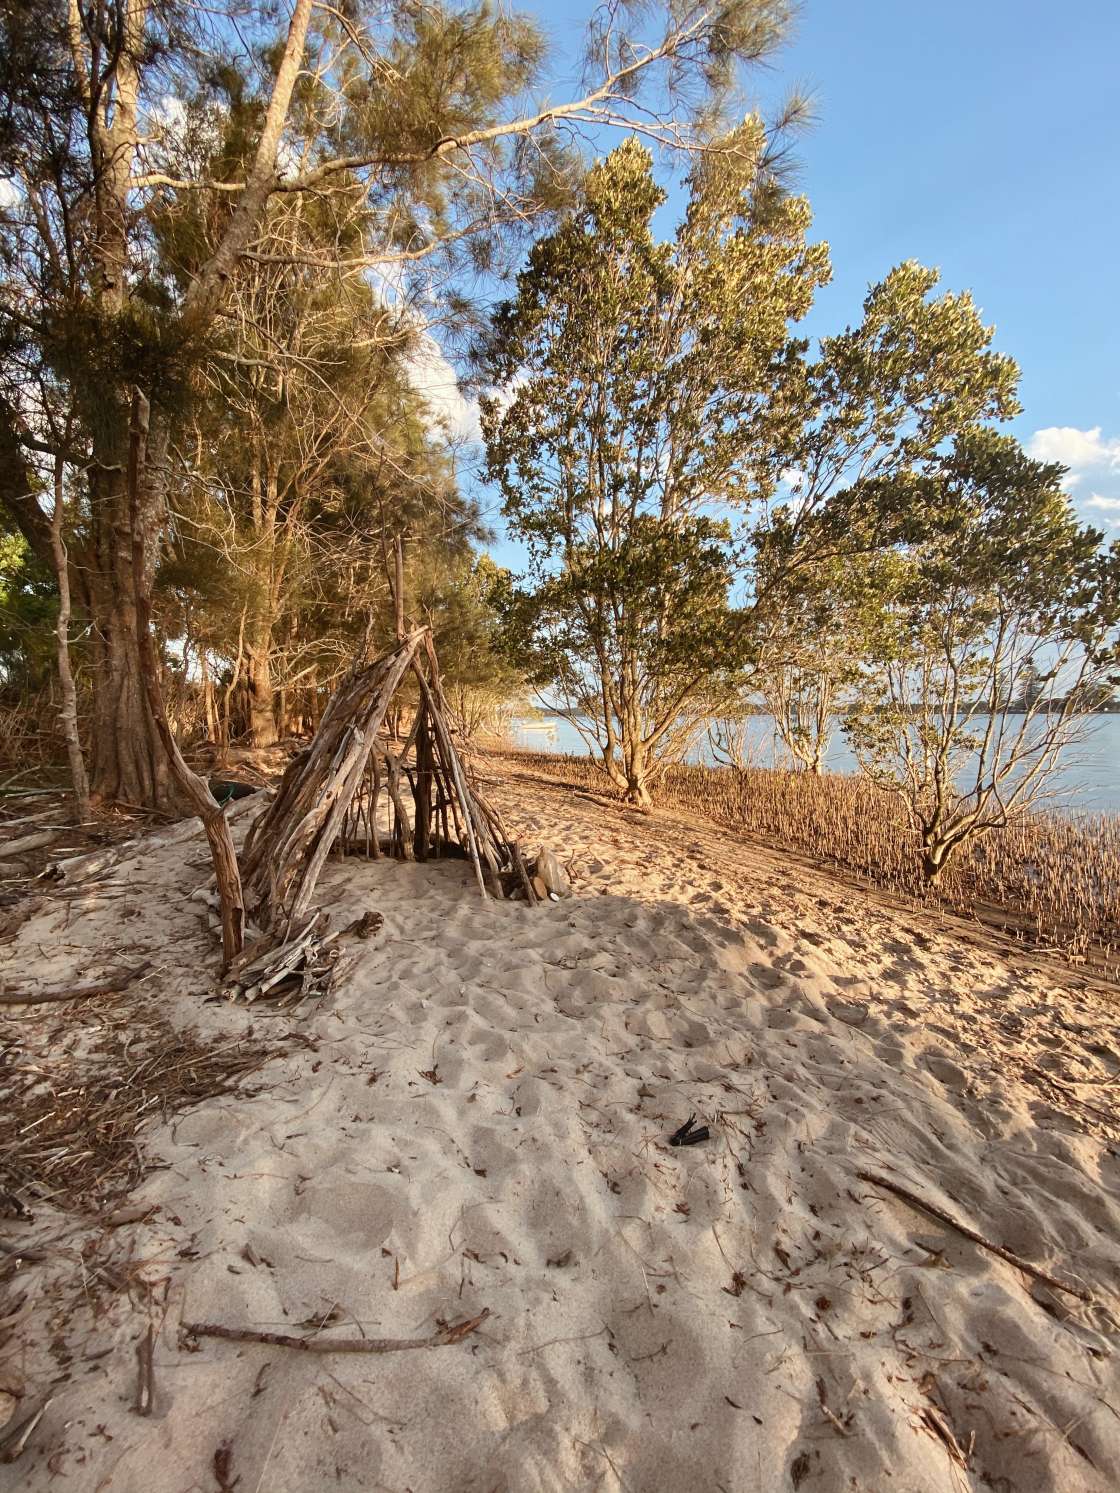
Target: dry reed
x: 1046, y: 878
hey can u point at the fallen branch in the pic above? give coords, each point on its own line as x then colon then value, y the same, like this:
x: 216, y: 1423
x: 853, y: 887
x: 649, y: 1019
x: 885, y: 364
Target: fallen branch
x: 523, y: 874
x: 113, y: 985
x: 969, y: 1233
x: 27, y: 843
x: 145, y: 1373
x: 444, y: 1338
x: 937, y: 1426
x: 89, y: 865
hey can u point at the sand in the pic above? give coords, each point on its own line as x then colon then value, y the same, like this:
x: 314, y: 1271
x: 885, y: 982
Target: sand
x: 476, y: 1120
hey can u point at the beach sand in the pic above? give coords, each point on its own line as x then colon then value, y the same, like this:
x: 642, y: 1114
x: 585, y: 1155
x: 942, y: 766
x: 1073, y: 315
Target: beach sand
x: 477, y: 1120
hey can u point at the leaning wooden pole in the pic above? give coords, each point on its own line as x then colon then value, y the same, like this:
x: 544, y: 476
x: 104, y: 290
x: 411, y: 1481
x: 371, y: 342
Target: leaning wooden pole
x: 205, y: 805
x: 454, y: 768
x: 69, y: 711
x: 398, y: 587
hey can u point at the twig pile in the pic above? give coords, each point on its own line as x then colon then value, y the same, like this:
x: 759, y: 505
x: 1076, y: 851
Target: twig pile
x: 74, y: 1100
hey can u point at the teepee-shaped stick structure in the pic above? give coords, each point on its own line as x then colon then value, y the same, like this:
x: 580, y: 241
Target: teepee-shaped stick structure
x: 336, y: 791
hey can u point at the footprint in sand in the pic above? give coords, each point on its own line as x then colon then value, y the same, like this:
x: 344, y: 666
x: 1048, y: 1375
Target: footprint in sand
x: 763, y: 932
x: 944, y: 1070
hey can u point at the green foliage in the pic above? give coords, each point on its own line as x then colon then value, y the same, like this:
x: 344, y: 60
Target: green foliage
x: 811, y: 635
x: 992, y: 598
x: 649, y: 385
x: 467, y: 606
x: 890, y: 392
x: 28, y: 607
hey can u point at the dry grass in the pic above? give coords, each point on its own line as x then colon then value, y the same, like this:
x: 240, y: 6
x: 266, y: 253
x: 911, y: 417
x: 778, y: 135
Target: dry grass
x: 31, y: 738
x: 1046, y: 879
x: 76, y: 1089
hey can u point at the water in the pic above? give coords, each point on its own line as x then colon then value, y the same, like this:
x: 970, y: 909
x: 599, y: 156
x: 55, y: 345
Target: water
x: 1086, y: 781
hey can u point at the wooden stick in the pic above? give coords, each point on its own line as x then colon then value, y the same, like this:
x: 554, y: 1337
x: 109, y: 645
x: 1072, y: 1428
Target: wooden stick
x: 444, y: 1338
x: 402, y: 833
x: 393, y: 764
x: 962, y: 1228
x: 145, y: 1373
x: 13, y: 1443
x: 454, y: 771
x: 398, y: 587
x: 374, y: 847
x: 523, y: 873
x: 422, y: 790
x: 464, y: 798
x: 110, y: 986
x: 345, y: 782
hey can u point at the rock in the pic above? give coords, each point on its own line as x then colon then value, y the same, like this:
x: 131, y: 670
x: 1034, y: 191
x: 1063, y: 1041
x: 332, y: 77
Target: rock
x: 552, y: 873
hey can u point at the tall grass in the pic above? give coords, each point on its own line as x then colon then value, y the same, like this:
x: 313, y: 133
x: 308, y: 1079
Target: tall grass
x: 1047, y: 879
x: 31, y: 735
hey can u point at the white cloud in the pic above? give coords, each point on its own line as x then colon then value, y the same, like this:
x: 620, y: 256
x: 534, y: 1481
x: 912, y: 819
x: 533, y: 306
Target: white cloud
x: 169, y: 117
x: 10, y: 193
x: 1087, y: 454
x: 433, y: 376
x: 1082, y: 451
x: 504, y: 395
x: 1101, y: 510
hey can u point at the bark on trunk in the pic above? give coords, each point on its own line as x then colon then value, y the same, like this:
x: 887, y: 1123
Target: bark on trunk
x: 638, y: 794
x: 68, y: 712
x: 209, y: 711
x: 126, y: 759
x: 935, y: 857
x: 262, y: 706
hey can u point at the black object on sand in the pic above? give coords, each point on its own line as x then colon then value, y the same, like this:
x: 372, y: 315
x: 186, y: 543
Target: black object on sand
x: 689, y: 1134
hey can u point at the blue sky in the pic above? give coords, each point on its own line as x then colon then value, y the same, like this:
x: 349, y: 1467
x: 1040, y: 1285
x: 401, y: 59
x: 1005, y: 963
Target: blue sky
x: 981, y: 137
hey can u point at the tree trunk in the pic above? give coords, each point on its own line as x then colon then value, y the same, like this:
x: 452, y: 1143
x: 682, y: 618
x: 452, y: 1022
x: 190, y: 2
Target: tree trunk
x: 935, y: 857
x: 638, y: 794
x: 258, y: 674
x: 637, y: 783
x: 209, y: 711
x: 126, y: 759
x: 68, y: 712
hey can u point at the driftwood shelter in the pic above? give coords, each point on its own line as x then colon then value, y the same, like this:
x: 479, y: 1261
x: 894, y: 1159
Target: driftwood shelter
x: 357, y: 789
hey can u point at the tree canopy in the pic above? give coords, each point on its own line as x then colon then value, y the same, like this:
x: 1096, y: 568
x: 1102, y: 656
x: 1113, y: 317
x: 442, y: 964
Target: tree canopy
x: 649, y: 391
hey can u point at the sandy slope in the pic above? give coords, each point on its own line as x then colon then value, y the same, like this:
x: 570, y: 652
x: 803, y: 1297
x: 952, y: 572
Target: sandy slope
x: 480, y: 1122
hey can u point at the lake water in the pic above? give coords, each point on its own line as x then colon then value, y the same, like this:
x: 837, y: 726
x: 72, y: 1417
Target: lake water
x: 1087, y: 781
